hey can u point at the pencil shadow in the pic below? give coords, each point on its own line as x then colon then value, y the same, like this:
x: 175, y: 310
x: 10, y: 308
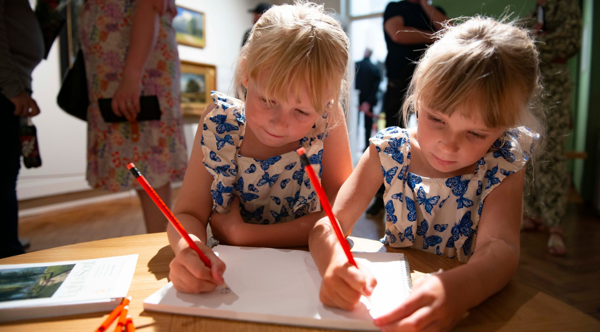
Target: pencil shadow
x: 159, y: 264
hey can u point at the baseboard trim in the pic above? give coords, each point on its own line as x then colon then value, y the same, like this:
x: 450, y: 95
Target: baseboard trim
x: 71, y: 200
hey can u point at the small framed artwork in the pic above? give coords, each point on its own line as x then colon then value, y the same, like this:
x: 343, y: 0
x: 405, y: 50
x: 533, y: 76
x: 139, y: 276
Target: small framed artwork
x: 197, y: 81
x: 190, y: 27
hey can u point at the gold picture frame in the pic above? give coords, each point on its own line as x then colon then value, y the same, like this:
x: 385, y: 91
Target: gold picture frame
x: 197, y: 81
x: 190, y: 26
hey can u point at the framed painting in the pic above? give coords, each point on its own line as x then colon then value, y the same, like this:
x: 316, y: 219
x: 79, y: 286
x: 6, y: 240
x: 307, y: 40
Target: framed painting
x: 197, y: 81
x: 190, y: 27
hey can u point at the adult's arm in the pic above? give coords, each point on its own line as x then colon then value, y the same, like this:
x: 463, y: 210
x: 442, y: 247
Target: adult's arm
x: 9, y: 83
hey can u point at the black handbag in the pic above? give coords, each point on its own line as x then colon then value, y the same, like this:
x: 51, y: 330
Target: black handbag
x: 73, y: 94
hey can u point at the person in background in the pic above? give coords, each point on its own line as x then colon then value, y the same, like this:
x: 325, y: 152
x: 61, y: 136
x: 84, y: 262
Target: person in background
x: 21, y: 50
x: 130, y: 50
x: 408, y: 28
x: 367, y: 82
x: 257, y: 12
x: 557, y: 24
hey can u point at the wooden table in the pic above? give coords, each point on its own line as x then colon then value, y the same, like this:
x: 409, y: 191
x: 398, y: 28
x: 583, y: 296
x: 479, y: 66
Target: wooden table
x: 516, y: 308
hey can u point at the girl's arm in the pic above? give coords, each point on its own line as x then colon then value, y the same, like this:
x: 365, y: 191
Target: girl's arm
x: 337, y: 166
x: 343, y: 284
x: 192, y: 209
x: 144, y: 31
x: 438, y: 302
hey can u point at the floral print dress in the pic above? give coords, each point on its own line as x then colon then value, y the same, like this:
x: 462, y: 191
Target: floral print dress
x: 160, y: 153
x: 271, y: 191
x: 441, y: 216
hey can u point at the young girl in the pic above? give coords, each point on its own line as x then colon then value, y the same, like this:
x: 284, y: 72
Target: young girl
x: 244, y: 174
x: 453, y: 184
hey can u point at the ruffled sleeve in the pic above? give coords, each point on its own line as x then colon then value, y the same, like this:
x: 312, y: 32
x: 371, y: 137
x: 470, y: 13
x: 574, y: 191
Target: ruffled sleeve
x: 508, y: 155
x: 222, y: 133
x: 393, y: 147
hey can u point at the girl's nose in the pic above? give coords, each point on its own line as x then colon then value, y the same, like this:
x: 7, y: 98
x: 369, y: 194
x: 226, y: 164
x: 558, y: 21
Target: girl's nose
x: 277, y: 118
x: 449, y: 144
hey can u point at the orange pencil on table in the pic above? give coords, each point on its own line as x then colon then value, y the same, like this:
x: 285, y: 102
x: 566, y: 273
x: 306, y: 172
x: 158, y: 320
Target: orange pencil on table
x: 165, y: 210
x: 129, y: 325
x: 325, y: 203
x: 122, y: 319
x: 113, y: 315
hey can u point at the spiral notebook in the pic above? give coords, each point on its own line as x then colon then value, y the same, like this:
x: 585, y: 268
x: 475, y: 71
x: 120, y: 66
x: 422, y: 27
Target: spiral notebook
x: 282, y: 287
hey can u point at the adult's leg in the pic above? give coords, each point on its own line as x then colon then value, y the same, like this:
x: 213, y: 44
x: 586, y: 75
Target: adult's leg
x: 10, y: 150
x: 154, y: 218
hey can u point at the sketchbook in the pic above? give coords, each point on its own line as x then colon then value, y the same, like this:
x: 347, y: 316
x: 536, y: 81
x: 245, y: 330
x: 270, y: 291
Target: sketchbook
x: 29, y: 291
x: 282, y: 287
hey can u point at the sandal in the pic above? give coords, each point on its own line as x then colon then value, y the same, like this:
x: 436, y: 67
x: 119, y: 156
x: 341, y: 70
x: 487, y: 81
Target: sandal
x: 556, y: 242
x: 531, y: 224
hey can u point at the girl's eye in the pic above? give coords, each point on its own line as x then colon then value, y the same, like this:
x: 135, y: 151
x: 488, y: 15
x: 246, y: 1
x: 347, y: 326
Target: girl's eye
x: 432, y: 119
x: 477, y: 135
x: 301, y: 112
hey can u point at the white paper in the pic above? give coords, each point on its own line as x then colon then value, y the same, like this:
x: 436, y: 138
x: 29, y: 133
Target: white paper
x: 282, y: 287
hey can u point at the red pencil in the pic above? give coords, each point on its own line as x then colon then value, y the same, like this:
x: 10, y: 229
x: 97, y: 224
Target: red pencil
x: 165, y: 210
x: 325, y: 203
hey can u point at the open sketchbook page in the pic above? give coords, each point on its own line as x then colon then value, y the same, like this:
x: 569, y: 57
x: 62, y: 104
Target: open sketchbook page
x: 282, y: 287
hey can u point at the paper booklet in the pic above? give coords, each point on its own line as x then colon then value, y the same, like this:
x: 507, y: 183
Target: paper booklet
x: 29, y: 291
x: 282, y: 287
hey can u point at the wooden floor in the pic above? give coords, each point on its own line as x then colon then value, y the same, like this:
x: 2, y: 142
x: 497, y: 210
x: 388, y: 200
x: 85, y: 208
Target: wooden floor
x: 574, y: 279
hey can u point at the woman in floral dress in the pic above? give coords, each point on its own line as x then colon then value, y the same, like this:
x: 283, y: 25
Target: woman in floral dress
x: 130, y: 51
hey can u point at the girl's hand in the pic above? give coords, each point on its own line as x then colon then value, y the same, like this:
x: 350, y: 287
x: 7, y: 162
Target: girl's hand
x: 126, y: 101
x: 428, y: 308
x: 228, y: 227
x: 189, y: 274
x: 343, y: 284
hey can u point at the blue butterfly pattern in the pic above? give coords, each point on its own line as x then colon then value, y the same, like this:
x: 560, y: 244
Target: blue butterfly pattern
x: 389, y: 174
x: 265, y: 164
x: 490, y: 175
x: 428, y: 241
x: 222, y: 141
x: 222, y: 125
x: 443, y: 201
x: 412, y: 209
x: 390, y: 212
x: 250, y: 169
x: 276, y: 199
x: 428, y: 202
x: 217, y: 195
x: 290, y: 166
x: 397, y: 196
x: 248, y: 216
x: 267, y: 180
x: 503, y: 150
x: 407, y: 235
x: 413, y: 180
x: 282, y: 214
x: 440, y: 227
x: 317, y: 159
x: 284, y: 183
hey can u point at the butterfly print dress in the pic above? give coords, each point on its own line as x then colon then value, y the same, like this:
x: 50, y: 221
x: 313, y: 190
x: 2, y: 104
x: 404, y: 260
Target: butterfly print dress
x: 271, y: 191
x: 439, y: 215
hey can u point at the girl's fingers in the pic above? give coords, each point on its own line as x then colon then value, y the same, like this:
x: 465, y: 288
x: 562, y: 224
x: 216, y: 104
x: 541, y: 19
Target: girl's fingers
x: 419, y: 320
x: 412, y: 304
x: 192, y: 262
x: 184, y: 281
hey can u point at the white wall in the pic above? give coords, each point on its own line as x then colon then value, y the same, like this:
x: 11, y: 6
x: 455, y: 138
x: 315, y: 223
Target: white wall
x: 62, y: 138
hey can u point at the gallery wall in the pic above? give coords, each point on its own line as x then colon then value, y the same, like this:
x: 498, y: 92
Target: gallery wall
x: 62, y: 138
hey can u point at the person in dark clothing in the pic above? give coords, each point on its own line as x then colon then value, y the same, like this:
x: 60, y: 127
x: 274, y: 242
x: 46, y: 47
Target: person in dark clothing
x: 367, y: 82
x: 21, y: 49
x: 257, y: 11
x: 408, y: 26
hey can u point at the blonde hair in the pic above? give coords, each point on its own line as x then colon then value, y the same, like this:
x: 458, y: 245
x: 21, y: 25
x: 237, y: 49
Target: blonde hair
x: 298, y: 44
x: 480, y: 65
